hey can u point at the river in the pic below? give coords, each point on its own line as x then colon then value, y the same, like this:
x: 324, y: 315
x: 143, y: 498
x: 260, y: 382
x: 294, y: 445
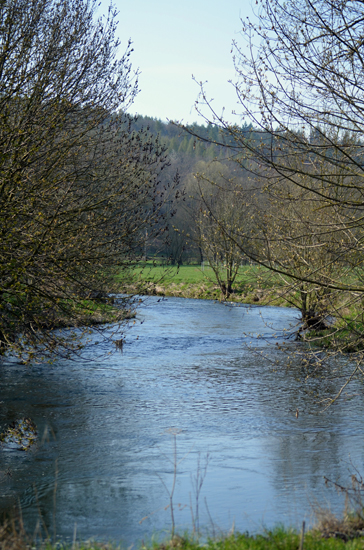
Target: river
x: 196, y: 371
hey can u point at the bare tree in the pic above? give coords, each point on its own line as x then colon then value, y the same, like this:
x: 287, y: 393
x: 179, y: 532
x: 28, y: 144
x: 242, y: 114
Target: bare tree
x: 219, y: 210
x: 78, y: 186
x: 300, y: 85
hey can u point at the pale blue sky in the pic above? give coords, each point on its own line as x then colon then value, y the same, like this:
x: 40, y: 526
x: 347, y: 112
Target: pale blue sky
x: 173, y: 40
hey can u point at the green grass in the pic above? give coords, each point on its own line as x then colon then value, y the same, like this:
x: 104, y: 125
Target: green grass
x: 187, y: 274
x: 192, y: 274
x: 276, y: 539
x: 190, y: 281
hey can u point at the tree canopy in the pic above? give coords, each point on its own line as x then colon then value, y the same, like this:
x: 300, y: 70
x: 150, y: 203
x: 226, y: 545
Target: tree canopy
x: 78, y: 185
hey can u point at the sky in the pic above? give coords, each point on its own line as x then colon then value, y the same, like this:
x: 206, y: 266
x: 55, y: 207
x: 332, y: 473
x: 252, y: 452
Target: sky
x: 173, y: 41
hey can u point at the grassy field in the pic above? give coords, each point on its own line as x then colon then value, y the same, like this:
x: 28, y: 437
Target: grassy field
x: 252, y: 284
x: 191, y: 274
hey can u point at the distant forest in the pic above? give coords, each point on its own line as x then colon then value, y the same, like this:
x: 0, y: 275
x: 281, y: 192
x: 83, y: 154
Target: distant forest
x: 181, y: 142
x: 188, y: 156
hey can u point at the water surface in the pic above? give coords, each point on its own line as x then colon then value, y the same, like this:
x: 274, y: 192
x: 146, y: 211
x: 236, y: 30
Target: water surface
x: 195, y: 369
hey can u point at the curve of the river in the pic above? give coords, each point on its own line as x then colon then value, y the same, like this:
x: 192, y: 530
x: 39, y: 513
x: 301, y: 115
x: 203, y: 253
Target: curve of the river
x: 188, y: 367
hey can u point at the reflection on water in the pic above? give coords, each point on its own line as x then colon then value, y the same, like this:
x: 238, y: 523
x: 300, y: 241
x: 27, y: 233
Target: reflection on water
x: 189, y: 368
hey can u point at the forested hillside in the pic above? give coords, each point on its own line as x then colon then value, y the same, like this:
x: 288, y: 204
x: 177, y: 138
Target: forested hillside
x: 194, y: 164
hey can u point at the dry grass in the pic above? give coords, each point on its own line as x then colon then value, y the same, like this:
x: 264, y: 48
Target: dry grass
x: 347, y: 527
x: 13, y: 536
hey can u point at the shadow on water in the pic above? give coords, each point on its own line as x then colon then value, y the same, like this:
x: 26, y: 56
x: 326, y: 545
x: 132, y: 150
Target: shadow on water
x: 189, y: 367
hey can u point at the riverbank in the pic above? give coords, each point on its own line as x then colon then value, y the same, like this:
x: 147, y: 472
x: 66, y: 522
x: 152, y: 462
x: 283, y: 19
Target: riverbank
x: 88, y: 313
x: 277, y: 539
x: 253, y: 284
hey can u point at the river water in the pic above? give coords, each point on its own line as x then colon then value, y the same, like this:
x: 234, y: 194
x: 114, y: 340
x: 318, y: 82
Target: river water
x: 206, y: 375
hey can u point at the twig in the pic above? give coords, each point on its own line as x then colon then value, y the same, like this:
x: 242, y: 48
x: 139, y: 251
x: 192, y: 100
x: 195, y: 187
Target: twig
x: 302, y: 535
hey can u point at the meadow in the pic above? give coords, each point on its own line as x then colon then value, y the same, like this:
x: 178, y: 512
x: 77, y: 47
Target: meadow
x: 252, y: 284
